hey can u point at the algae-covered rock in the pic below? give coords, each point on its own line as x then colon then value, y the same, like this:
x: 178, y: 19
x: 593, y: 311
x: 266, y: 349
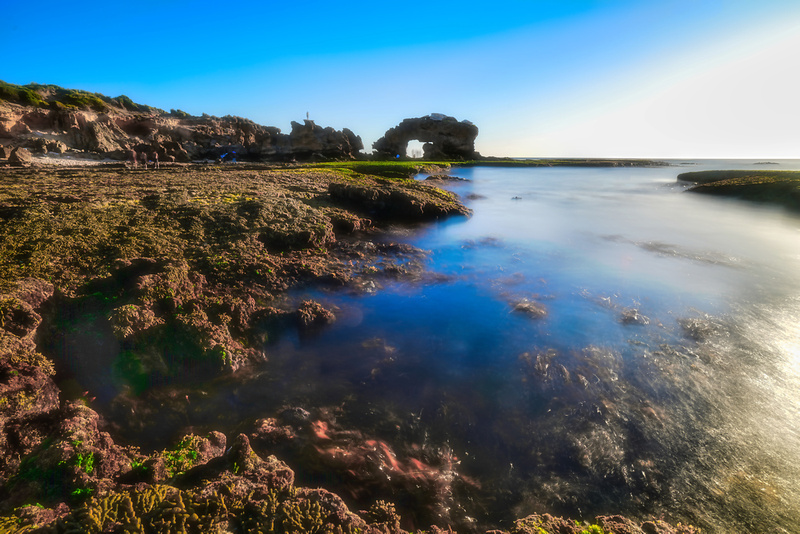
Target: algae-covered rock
x: 70, y: 460
x: 765, y: 186
x: 407, y: 201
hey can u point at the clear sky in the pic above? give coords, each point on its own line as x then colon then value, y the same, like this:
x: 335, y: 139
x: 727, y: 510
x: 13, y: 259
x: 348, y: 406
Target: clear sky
x: 612, y: 78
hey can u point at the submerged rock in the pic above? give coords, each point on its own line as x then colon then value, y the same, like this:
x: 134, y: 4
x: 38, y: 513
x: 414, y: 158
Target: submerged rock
x: 312, y: 314
x: 633, y: 317
x: 531, y: 308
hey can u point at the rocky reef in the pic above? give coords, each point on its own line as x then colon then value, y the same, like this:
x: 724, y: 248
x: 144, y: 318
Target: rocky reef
x: 46, y: 118
x: 445, y: 138
x: 765, y: 186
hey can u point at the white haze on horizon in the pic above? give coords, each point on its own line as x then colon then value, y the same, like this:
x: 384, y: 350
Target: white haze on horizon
x: 739, y: 98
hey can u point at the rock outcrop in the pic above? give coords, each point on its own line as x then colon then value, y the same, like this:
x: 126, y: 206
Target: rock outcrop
x: 444, y: 137
x: 315, y: 142
x: 20, y: 157
x: 775, y: 187
x: 113, y: 130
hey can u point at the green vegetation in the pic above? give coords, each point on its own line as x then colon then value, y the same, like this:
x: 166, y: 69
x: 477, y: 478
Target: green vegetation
x: 21, y: 95
x: 53, y: 96
x: 384, y: 169
x: 183, y: 456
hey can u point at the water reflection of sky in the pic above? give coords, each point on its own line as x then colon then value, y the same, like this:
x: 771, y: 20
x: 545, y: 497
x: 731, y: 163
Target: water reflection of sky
x: 590, y: 245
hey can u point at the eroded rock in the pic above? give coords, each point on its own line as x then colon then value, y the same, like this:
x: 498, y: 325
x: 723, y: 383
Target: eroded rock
x: 444, y: 137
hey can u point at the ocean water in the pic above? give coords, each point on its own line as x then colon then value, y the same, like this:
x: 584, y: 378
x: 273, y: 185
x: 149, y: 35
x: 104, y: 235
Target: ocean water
x: 591, y: 341
x: 662, y: 381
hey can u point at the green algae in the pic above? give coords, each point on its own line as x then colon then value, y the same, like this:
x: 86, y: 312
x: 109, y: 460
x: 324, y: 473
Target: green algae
x: 183, y: 456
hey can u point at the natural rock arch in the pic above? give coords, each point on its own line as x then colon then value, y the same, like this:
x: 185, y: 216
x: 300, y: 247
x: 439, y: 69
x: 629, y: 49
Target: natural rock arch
x: 444, y: 137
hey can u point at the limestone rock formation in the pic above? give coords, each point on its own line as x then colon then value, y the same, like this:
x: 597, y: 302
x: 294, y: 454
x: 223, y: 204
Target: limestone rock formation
x: 444, y: 137
x: 310, y: 141
x: 113, y: 127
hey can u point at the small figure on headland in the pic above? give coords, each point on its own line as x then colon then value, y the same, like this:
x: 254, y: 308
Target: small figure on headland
x: 132, y: 158
x: 155, y: 159
x: 143, y: 159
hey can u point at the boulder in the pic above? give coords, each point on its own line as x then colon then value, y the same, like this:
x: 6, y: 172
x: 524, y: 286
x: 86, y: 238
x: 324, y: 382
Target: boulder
x: 59, y: 147
x: 20, y: 157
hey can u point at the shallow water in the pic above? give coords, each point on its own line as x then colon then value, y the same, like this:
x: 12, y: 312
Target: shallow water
x: 663, y: 378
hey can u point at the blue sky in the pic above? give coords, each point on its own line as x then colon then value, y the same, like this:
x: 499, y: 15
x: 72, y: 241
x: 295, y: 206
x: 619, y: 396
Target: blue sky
x: 608, y: 78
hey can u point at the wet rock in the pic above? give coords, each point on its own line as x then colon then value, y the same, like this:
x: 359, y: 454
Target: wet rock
x: 295, y: 416
x: 37, y: 516
x: 381, y: 199
x: 65, y: 456
x: 698, y: 329
x: 531, y: 308
x: 270, y: 433
x: 242, y: 461
x: 312, y: 314
x: 631, y: 316
x: 446, y: 178
x: 536, y: 524
x: 365, y: 467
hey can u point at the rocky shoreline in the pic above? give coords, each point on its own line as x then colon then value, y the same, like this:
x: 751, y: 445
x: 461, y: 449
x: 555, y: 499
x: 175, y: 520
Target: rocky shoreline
x: 181, y: 272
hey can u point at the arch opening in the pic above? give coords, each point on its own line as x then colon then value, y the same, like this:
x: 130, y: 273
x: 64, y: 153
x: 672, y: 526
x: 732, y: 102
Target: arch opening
x: 414, y: 149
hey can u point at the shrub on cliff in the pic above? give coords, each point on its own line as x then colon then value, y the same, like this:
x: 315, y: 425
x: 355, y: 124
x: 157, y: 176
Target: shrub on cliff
x: 20, y: 95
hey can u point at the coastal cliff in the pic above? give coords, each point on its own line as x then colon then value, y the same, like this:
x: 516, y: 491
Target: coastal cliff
x: 47, y: 118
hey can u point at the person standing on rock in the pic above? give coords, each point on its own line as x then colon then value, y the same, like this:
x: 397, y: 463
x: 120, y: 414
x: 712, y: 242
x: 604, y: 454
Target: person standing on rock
x: 155, y: 159
x: 132, y: 158
x: 143, y: 158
